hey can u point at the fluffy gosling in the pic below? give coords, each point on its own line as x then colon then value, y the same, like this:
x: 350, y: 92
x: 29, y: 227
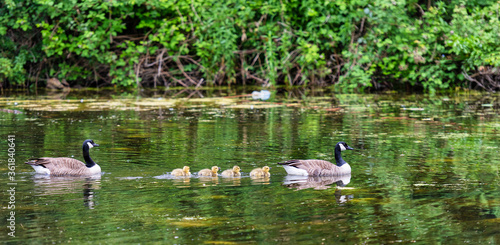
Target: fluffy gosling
x: 209, y: 172
x: 235, y: 172
x: 260, y: 172
x: 181, y: 172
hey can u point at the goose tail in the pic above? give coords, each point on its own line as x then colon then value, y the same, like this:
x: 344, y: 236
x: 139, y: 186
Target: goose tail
x: 37, y: 166
x: 289, y: 162
x: 32, y: 161
x: 292, y: 169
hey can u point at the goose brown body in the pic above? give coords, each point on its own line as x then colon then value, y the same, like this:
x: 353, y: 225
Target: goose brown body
x: 65, y: 166
x: 314, y: 167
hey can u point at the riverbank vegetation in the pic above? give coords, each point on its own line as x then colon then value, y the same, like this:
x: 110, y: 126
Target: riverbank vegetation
x: 359, y: 44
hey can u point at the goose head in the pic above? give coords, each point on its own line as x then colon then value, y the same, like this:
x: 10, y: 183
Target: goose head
x: 215, y: 169
x: 340, y: 147
x: 89, y: 144
x: 343, y: 146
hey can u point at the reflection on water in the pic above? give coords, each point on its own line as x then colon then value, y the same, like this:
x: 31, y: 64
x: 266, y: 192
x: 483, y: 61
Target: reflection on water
x: 427, y: 169
x: 129, y: 178
x: 207, y: 180
x: 169, y: 176
x: 88, y: 196
x: 315, y: 182
x: 46, y: 185
x: 260, y: 180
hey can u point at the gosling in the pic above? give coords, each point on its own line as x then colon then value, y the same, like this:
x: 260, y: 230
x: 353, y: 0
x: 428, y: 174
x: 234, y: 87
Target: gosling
x: 209, y: 172
x: 230, y: 173
x: 181, y: 172
x: 260, y: 172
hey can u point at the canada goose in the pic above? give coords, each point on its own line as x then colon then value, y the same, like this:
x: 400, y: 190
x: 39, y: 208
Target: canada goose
x: 209, y: 172
x: 181, y: 172
x: 260, y: 172
x: 320, y: 167
x: 235, y: 172
x: 60, y: 166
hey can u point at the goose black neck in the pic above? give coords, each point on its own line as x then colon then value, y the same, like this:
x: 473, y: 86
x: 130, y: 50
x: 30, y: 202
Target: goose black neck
x: 338, y: 157
x: 88, y: 161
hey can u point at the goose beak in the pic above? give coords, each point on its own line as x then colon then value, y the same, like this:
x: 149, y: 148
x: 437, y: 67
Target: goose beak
x: 349, y: 148
x: 96, y: 144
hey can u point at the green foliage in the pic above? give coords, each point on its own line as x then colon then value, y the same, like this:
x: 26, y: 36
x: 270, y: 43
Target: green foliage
x: 5, y: 68
x: 475, y: 36
x: 353, y: 44
x: 17, y: 49
x: 415, y: 43
x: 217, y: 36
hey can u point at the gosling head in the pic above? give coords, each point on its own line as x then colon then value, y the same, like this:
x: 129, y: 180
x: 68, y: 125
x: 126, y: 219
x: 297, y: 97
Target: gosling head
x: 343, y: 146
x: 215, y: 169
x: 266, y: 169
x: 236, y: 169
x: 185, y: 169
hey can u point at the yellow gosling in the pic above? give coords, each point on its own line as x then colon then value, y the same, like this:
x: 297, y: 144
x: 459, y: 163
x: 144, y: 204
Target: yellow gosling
x: 260, y: 172
x: 181, y: 172
x: 209, y: 172
x: 230, y: 173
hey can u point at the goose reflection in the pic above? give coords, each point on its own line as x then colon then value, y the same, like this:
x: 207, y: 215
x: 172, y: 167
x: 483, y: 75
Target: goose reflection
x: 231, y: 181
x: 181, y: 181
x: 46, y: 185
x: 207, y: 180
x: 260, y: 180
x: 315, y: 182
x: 319, y: 183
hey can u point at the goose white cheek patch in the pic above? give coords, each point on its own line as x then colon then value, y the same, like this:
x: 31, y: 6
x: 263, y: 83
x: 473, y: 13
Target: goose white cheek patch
x: 90, y: 145
x: 342, y: 147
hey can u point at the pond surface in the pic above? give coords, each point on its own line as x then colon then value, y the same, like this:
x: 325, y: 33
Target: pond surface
x: 425, y: 168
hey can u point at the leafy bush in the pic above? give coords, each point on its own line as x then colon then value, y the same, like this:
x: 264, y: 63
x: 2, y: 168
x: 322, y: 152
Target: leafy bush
x: 355, y: 44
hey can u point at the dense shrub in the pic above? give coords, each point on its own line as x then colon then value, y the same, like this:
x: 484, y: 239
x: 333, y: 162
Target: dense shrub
x: 354, y: 44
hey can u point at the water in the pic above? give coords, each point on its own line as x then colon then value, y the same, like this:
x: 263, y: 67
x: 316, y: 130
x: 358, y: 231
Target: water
x: 425, y: 168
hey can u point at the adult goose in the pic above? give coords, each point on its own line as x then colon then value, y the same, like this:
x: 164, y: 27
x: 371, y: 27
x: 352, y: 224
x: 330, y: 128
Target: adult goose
x: 235, y: 172
x: 65, y: 166
x: 209, y: 172
x: 320, y: 167
x: 260, y: 172
x: 181, y: 172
